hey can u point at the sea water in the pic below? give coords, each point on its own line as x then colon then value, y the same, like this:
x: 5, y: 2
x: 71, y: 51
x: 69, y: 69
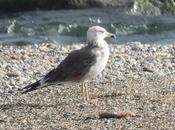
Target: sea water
x: 70, y: 26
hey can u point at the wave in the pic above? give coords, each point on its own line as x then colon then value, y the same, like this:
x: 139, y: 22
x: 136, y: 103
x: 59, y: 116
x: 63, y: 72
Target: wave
x: 71, y: 26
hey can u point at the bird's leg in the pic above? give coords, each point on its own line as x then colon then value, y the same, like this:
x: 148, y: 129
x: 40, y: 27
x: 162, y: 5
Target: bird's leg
x: 85, y: 92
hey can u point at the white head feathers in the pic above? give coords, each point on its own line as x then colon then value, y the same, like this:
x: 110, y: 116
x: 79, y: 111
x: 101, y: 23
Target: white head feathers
x: 97, y: 33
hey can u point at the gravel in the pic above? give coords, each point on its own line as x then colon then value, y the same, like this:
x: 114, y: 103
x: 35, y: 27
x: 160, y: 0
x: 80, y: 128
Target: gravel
x: 139, y: 78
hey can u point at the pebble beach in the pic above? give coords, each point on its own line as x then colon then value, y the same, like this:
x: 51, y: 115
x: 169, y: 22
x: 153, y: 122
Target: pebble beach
x: 138, y: 79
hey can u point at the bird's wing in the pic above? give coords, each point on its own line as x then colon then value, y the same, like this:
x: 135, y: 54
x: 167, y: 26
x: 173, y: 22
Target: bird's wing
x: 73, y: 67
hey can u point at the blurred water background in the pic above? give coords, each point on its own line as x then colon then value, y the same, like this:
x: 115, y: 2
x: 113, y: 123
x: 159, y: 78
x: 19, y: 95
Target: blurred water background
x: 70, y: 26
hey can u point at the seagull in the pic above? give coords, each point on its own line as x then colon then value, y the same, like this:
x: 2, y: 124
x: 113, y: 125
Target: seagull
x: 80, y: 65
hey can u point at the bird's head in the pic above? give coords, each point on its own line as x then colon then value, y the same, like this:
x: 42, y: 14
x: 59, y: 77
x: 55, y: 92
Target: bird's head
x: 96, y: 32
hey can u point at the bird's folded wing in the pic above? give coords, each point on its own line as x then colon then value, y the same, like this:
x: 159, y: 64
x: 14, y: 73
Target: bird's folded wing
x: 73, y: 67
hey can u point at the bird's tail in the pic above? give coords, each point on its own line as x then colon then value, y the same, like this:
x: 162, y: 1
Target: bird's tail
x: 32, y: 87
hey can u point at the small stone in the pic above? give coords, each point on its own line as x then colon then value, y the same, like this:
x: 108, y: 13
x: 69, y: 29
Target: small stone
x: 136, y: 46
x: 12, y: 74
x: 44, y: 49
x: 148, y: 69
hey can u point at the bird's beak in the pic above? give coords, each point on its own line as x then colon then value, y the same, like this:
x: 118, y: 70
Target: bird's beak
x: 110, y: 35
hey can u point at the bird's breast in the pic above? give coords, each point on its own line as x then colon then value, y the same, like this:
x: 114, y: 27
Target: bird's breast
x: 102, y: 55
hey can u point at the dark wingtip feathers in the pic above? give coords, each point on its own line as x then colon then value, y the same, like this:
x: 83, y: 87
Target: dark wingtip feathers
x: 30, y: 87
